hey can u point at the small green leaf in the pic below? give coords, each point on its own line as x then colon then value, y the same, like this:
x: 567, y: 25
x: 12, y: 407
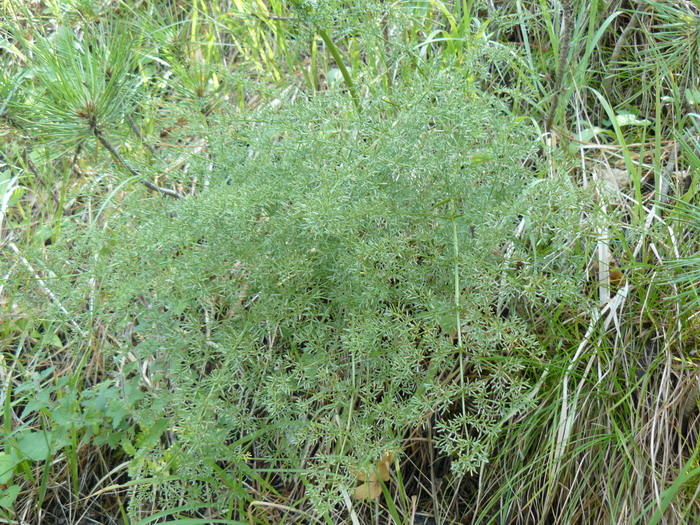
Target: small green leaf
x: 692, y: 96
x: 34, y: 405
x: 630, y: 119
x: 582, y: 136
x: 7, y: 465
x: 35, y: 445
x: 150, y: 436
x: 8, y: 496
x: 128, y: 447
x: 114, y: 438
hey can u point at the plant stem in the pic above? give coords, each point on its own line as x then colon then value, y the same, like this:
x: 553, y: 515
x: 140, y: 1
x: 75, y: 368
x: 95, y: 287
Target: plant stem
x: 138, y: 133
x: 118, y: 157
x: 455, y: 241
x: 341, y: 65
x: 567, y: 23
x: 615, y: 55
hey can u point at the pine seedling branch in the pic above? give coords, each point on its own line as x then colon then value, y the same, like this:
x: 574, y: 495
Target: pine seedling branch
x: 79, y: 88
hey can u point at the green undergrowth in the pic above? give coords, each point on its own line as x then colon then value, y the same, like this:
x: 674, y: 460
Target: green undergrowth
x: 352, y: 261
x: 344, y: 279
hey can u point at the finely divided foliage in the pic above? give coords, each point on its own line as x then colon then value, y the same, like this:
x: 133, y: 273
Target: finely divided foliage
x: 305, y: 305
x: 420, y: 262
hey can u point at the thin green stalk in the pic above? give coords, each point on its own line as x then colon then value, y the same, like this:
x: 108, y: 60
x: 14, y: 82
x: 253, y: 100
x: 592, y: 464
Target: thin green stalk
x: 341, y: 65
x: 72, y: 457
x: 455, y: 242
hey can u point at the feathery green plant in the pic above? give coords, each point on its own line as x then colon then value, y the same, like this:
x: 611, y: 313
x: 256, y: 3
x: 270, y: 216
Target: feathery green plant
x: 334, y: 289
x: 587, y: 65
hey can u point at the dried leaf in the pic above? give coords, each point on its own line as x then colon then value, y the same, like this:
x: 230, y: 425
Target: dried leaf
x: 368, y: 490
x: 616, y: 276
x: 384, y: 466
x: 371, y: 488
x: 614, y: 179
x: 361, y: 476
